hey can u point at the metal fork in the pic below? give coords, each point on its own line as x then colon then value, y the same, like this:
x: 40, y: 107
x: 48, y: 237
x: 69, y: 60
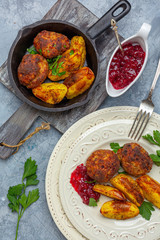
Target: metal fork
x: 144, y: 112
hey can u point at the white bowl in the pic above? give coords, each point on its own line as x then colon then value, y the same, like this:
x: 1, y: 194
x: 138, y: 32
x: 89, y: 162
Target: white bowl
x: 141, y: 39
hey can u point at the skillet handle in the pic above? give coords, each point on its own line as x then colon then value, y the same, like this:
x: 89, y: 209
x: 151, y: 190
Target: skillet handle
x: 105, y: 21
x: 12, y: 131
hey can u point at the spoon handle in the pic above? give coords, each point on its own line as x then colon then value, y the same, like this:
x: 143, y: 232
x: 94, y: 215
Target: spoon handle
x: 113, y: 24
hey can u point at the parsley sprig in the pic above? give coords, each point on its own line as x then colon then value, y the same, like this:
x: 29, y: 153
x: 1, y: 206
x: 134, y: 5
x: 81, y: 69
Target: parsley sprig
x: 32, y: 50
x: 156, y: 158
x: 19, y: 201
x: 53, y: 61
x: 55, y: 67
x: 115, y: 147
x: 71, y: 52
x: 92, y: 202
x: 145, y: 210
x: 92, y: 181
x: 155, y: 139
x: 40, y: 51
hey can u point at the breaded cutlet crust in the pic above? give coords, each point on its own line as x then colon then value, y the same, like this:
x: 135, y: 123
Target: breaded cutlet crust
x: 135, y: 160
x: 102, y: 165
x: 33, y: 70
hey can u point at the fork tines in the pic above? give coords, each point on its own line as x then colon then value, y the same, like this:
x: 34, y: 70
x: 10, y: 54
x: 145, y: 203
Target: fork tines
x: 141, y: 120
x: 145, y: 111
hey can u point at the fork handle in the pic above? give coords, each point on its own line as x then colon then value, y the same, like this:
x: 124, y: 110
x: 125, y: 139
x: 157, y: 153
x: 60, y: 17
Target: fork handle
x: 154, y: 81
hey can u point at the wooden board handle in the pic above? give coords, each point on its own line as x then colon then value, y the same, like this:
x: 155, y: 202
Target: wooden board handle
x: 15, y: 128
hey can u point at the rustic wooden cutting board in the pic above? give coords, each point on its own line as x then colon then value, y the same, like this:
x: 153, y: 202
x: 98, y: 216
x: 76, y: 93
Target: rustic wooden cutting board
x: 74, y: 12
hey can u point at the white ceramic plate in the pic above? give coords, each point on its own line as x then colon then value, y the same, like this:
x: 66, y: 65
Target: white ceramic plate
x: 143, y: 229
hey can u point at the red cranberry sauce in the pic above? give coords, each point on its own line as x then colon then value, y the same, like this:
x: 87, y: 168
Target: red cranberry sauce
x: 84, y: 189
x: 125, y: 68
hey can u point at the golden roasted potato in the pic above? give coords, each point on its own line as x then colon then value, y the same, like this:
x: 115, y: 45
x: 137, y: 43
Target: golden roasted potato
x: 109, y: 191
x: 71, y: 60
x: 51, y: 44
x: 119, y: 210
x: 77, y: 42
x: 78, y: 82
x: 50, y: 92
x: 150, y: 188
x: 129, y: 187
x: 68, y: 63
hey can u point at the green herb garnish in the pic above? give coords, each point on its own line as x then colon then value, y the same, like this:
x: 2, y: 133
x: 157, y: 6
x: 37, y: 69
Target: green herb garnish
x: 57, y: 70
x: 56, y: 67
x: 19, y: 201
x: 156, y: 158
x: 60, y: 64
x: 54, y: 45
x: 62, y: 73
x: 52, y: 62
x: 92, y: 202
x: 145, y: 210
x: 115, y: 147
x: 71, y: 52
x: 93, y: 181
x: 123, y: 172
x: 156, y: 141
x: 32, y: 50
x: 49, y: 60
x: 64, y: 46
x: 40, y: 51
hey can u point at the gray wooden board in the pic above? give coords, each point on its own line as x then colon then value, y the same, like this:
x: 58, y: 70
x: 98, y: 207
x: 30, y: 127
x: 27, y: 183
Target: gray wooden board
x: 74, y: 12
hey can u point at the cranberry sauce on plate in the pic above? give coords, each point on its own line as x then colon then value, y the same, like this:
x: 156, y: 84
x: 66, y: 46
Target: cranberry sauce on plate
x: 125, y: 68
x: 83, y: 184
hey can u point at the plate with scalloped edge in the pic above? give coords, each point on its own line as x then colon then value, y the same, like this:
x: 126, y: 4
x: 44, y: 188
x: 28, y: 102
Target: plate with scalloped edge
x: 88, y: 220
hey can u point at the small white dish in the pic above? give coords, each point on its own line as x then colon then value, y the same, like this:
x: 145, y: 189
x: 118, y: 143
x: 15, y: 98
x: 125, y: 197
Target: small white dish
x: 141, y: 38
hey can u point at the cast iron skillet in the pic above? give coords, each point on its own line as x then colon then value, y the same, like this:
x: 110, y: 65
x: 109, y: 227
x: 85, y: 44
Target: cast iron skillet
x: 25, y: 38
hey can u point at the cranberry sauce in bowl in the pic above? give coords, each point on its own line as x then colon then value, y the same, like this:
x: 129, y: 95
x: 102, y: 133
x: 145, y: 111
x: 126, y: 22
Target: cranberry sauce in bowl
x: 124, y: 68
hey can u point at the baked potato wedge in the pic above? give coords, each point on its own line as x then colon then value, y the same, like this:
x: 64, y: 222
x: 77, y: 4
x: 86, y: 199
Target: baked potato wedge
x: 119, y: 210
x: 78, y: 82
x: 109, y: 191
x: 150, y: 188
x: 129, y: 187
x: 51, y: 93
x: 77, y: 42
x: 70, y: 61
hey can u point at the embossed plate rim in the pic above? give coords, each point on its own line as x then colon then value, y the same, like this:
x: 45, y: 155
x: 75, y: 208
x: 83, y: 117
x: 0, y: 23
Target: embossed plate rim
x: 54, y: 164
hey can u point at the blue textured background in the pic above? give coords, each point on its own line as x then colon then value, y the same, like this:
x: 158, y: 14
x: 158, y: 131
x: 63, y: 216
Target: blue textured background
x: 37, y: 223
